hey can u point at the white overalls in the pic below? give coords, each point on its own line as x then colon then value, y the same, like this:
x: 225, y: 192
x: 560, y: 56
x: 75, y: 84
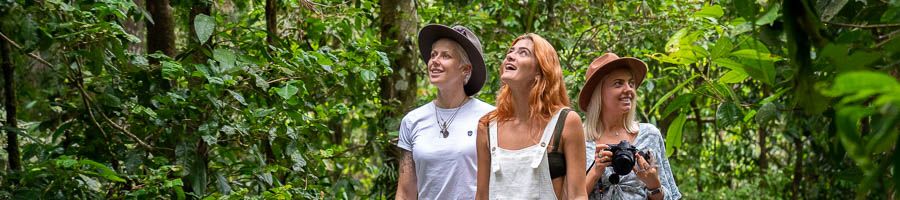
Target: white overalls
x: 523, y: 173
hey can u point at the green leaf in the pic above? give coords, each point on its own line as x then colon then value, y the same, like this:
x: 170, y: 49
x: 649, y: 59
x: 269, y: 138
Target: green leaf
x: 204, y: 25
x: 727, y: 114
x: 672, y: 92
x: 771, y: 15
x: 104, y: 171
x: 225, y: 58
x: 766, y: 113
x: 831, y: 9
x: 171, y: 70
x: 755, y: 55
x: 238, y: 97
x: 721, y: 49
x: 713, y: 11
x: 368, y: 75
x: 287, y: 91
x: 730, y: 64
x: 173, y: 183
x: 862, y: 81
x: 383, y: 59
x: 260, y: 82
x: 673, y: 135
x: 222, y: 184
x: 733, y: 76
x: 680, y: 102
x: 847, y: 121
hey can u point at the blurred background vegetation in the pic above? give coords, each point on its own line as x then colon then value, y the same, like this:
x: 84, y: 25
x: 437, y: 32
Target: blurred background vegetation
x: 300, y: 99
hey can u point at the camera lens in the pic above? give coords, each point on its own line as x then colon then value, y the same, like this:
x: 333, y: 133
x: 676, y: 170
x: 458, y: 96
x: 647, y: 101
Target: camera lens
x: 623, y: 162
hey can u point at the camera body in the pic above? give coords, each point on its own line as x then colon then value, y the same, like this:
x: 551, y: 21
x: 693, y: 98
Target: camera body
x: 623, y: 159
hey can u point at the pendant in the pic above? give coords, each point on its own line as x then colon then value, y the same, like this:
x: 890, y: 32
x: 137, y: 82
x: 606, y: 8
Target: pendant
x: 470, y: 133
x: 445, y: 133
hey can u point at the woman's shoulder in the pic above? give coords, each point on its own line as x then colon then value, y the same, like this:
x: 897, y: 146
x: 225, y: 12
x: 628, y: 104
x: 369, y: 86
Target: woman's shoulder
x: 482, y: 106
x: 648, y: 131
x: 419, y: 112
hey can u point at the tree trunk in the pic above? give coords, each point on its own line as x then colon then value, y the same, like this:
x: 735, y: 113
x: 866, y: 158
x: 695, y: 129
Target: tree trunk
x: 699, y: 147
x: 798, y: 167
x: 763, y: 149
x: 161, y: 31
x: 198, y: 181
x: 138, y: 30
x: 271, y: 21
x: 399, y: 22
x: 9, y: 89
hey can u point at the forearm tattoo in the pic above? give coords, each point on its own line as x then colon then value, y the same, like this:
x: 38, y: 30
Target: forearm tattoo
x: 406, y: 162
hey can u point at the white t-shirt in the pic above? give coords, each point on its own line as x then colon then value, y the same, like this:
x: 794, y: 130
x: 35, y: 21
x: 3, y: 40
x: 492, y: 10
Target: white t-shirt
x: 445, y: 167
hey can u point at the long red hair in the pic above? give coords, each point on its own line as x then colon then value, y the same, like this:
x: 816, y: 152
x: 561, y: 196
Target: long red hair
x: 549, y: 92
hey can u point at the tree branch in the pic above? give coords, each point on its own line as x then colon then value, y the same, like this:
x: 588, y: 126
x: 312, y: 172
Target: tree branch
x: 863, y: 25
x: 86, y: 98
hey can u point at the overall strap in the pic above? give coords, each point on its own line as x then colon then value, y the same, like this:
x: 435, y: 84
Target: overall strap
x: 545, y: 138
x: 492, y: 137
x: 559, y: 128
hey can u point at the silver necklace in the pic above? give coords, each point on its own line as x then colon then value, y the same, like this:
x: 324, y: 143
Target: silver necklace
x: 445, y: 124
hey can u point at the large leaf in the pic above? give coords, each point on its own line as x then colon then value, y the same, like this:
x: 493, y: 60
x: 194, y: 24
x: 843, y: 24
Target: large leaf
x: 771, y: 15
x: 733, y: 76
x: 673, y: 135
x: 102, y: 170
x: 666, y: 96
x: 862, y: 82
x: 287, y: 91
x: 680, y: 102
x: 713, y: 11
x: 755, y: 55
x: 727, y: 114
x: 204, y: 25
x: 171, y: 70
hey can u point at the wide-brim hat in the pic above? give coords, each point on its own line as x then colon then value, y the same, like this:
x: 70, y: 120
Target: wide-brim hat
x: 470, y: 44
x: 603, y: 65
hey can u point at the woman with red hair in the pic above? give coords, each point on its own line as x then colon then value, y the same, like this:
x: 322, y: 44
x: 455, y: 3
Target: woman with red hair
x: 531, y: 147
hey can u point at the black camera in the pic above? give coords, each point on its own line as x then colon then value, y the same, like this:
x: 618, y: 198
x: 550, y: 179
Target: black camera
x: 623, y: 159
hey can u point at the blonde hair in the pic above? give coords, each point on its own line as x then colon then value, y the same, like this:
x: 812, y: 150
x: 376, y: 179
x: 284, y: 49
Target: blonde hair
x: 593, y: 126
x: 549, y: 92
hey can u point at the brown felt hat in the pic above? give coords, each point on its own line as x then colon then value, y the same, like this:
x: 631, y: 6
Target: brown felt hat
x: 603, y: 65
x: 469, y: 42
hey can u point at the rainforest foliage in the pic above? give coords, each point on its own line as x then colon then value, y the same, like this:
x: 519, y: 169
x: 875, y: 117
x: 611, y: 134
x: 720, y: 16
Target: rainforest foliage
x: 300, y: 99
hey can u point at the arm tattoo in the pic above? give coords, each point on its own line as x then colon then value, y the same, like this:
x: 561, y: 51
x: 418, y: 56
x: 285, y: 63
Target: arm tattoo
x: 406, y: 162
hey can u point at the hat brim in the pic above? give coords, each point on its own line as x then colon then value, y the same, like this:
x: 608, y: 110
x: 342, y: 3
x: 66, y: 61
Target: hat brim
x: 431, y: 33
x: 638, y: 69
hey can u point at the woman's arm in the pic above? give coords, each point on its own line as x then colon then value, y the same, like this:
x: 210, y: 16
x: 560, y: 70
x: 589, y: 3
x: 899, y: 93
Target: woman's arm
x: 406, y: 182
x: 483, y: 177
x: 573, y: 147
x: 597, y: 171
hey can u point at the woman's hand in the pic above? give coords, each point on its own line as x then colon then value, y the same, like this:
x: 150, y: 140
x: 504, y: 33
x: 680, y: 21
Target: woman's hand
x: 645, y: 172
x: 602, y: 158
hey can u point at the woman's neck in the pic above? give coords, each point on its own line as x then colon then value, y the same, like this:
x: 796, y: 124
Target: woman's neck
x: 521, y: 100
x: 450, y: 98
x: 613, y: 122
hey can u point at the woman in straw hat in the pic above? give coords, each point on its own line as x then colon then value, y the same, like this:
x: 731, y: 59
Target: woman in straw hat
x: 438, y: 158
x: 531, y: 147
x: 609, y: 100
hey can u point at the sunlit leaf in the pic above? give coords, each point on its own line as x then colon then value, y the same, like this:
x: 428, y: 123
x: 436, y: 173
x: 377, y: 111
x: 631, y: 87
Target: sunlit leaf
x: 713, y: 11
x: 204, y: 25
x: 673, y: 135
x: 287, y: 91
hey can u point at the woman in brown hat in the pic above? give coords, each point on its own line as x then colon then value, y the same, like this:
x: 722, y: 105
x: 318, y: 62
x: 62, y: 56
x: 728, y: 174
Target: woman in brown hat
x: 609, y: 100
x: 531, y: 147
x: 438, y: 158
